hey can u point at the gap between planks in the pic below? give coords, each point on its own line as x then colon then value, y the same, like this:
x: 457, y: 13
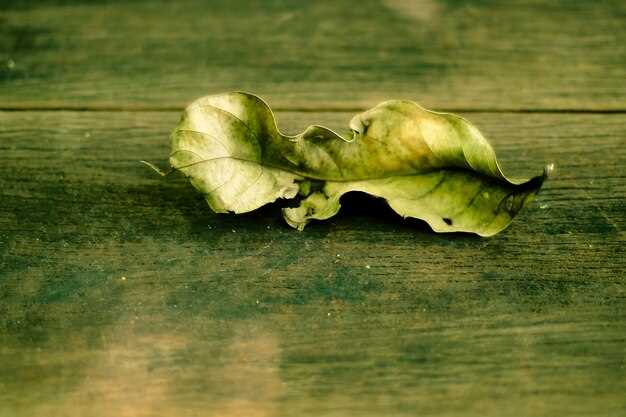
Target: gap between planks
x: 305, y: 109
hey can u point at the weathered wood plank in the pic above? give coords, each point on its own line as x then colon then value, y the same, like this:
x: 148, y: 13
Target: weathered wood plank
x: 122, y: 294
x: 525, y: 54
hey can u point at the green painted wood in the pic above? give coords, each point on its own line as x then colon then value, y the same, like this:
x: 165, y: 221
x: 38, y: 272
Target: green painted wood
x: 122, y: 294
x: 523, y: 54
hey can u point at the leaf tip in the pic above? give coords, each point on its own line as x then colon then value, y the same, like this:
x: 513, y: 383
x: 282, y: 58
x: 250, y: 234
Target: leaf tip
x: 549, y: 170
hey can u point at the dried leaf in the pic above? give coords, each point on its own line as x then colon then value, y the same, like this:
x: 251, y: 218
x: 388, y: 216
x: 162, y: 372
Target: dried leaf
x: 432, y: 166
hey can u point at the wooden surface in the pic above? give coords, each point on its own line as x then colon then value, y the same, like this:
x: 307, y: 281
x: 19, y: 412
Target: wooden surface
x: 315, y: 54
x: 122, y: 294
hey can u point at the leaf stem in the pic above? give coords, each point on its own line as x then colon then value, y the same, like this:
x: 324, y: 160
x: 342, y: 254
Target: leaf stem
x: 157, y: 169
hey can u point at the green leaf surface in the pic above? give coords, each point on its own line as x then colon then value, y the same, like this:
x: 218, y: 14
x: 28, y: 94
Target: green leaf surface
x: 432, y: 166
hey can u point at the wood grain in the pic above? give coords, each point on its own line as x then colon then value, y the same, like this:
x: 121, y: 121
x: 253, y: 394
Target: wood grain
x: 122, y: 294
x: 445, y: 54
